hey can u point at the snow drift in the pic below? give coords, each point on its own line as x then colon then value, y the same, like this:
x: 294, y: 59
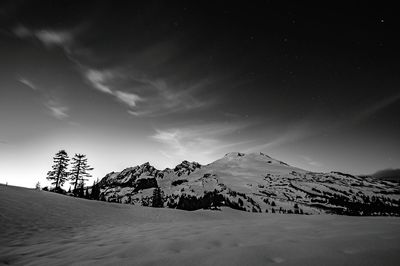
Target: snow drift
x: 45, y: 228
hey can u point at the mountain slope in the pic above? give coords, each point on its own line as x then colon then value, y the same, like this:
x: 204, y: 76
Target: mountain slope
x: 252, y: 182
x: 388, y: 174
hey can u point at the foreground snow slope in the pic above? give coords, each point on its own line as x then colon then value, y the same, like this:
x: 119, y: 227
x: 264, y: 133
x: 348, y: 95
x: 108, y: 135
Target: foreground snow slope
x: 43, y: 228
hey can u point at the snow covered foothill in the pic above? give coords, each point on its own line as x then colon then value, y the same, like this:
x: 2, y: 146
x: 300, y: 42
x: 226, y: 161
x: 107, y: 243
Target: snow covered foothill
x: 45, y: 228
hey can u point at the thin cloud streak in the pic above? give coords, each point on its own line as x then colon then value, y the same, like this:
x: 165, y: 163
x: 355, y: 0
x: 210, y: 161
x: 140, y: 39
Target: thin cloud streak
x: 296, y: 132
x: 103, y: 82
x: 312, y: 162
x: 49, y: 38
x: 22, y: 32
x: 159, y: 99
x: 305, y: 128
x: 56, y: 110
x: 130, y: 99
x: 378, y: 106
x: 28, y: 83
x: 165, y: 101
x: 201, y: 142
x: 98, y: 79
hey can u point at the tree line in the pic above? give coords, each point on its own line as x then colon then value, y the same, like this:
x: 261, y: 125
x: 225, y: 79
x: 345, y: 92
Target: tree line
x: 77, y: 176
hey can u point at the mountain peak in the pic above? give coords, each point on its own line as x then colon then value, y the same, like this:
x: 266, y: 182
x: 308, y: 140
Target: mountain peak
x: 234, y: 154
x: 254, y: 156
x: 186, y: 167
x: 241, y: 154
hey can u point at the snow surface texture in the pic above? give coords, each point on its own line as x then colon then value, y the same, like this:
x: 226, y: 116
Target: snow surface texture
x: 45, y: 228
x: 253, y: 182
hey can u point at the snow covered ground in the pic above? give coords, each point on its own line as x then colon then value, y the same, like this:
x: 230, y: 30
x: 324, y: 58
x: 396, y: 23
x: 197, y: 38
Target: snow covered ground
x: 43, y: 228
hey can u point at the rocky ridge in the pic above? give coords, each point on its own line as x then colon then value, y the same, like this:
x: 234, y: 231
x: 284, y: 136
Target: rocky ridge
x: 252, y: 182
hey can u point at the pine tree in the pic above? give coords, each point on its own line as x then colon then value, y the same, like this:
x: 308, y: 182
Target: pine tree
x: 59, y: 173
x: 81, y: 190
x: 157, y: 198
x: 87, y: 193
x: 95, y: 191
x: 79, y: 171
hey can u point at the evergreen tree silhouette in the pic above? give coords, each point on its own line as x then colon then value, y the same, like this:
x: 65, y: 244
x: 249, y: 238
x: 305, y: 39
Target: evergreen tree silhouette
x: 95, y: 191
x: 80, y: 192
x: 79, y: 171
x: 157, y: 198
x: 59, y: 174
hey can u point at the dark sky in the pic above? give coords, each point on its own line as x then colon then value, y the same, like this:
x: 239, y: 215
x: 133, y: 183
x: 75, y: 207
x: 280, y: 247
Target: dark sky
x: 316, y: 85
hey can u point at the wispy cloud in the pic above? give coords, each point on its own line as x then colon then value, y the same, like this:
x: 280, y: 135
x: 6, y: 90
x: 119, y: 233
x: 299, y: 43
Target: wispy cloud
x: 22, y: 32
x: 131, y: 99
x: 142, y: 95
x: 52, y: 104
x: 376, y: 107
x: 312, y: 162
x: 163, y: 100
x: 48, y: 37
x: 141, y: 92
x: 51, y: 38
x: 106, y: 81
x: 27, y: 83
x: 56, y: 109
x: 307, y: 127
x: 298, y: 131
x: 201, y: 142
x: 98, y: 79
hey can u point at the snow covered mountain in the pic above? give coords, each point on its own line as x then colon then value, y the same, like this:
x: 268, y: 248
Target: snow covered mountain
x: 252, y: 182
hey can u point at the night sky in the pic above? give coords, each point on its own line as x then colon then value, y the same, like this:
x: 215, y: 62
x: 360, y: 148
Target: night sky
x: 315, y: 85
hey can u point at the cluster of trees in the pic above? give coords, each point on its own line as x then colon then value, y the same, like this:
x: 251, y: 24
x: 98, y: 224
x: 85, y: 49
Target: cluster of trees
x: 375, y: 205
x: 357, y: 205
x: 77, y: 176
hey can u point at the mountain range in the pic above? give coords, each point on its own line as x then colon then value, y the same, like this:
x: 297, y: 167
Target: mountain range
x: 252, y: 182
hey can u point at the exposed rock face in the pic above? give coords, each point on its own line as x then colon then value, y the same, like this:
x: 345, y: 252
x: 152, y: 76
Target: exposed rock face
x: 128, y: 177
x: 185, y: 168
x: 252, y: 182
x: 134, y: 179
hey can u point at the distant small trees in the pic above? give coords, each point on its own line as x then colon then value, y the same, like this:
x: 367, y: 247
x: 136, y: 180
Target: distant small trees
x: 95, y: 194
x: 79, y: 172
x: 157, y: 198
x: 87, y: 193
x: 80, y: 190
x: 58, y: 175
x: 37, y: 186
